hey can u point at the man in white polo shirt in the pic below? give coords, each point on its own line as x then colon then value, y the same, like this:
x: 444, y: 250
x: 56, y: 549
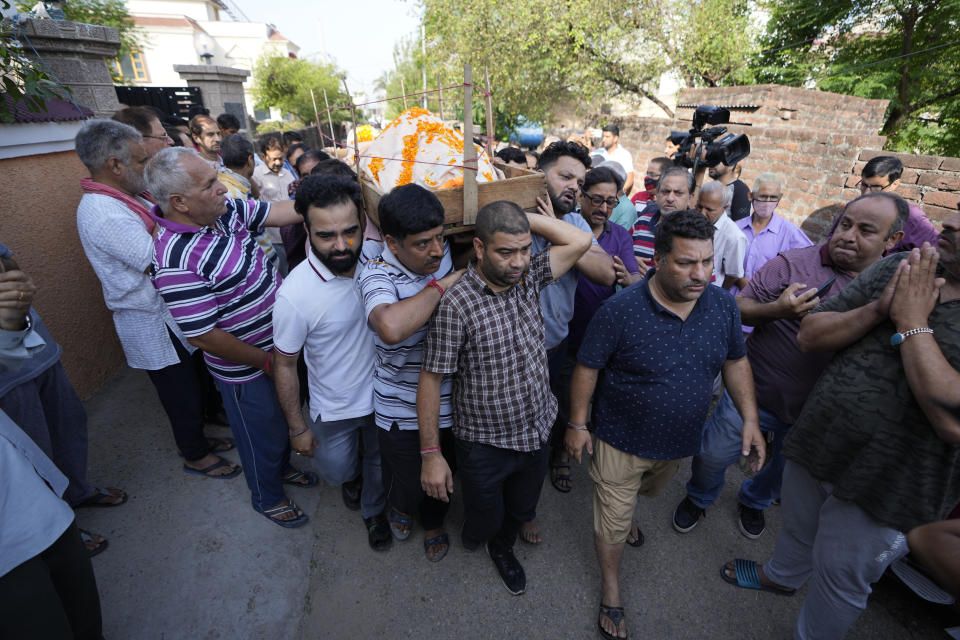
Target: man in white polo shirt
x: 401, y: 289
x: 318, y: 310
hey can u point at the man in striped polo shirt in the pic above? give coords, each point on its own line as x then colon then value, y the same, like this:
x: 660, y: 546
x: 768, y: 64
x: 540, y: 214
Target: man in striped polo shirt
x: 673, y: 194
x: 400, y: 292
x: 220, y: 290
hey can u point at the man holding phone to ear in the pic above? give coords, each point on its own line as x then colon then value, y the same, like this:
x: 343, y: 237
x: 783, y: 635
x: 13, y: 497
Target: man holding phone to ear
x: 779, y: 295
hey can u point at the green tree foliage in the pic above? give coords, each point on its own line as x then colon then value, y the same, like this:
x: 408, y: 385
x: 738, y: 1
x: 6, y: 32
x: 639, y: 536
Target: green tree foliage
x: 907, y: 51
x: 406, y: 77
x: 285, y: 83
x: 21, y: 78
x: 541, y: 54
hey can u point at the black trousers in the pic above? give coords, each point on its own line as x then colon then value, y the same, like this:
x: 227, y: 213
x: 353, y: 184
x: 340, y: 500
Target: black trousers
x: 400, y: 457
x: 53, y: 595
x: 184, y: 393
x: 501, y: 488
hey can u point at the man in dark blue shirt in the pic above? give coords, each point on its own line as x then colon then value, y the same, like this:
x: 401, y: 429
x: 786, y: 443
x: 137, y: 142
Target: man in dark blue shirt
x: 661, y: 344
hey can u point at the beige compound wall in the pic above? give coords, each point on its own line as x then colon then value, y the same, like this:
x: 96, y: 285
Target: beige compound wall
x: 38, y: 221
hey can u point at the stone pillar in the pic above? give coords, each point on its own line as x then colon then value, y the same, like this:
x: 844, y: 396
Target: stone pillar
x: 77, y: 55
x: 220, y: 87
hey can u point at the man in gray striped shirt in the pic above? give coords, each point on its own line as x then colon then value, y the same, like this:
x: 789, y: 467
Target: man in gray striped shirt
x: 400, y: 292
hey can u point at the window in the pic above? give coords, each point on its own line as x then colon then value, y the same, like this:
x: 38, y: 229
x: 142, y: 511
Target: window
x: 131, y: 66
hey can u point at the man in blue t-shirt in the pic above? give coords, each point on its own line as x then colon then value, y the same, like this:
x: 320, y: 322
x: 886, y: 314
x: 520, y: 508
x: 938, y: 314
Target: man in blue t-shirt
x: 660, y: 344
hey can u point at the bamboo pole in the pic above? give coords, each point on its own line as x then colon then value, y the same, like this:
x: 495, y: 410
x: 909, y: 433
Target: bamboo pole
x: 488, y: 105
x: 469, y: 151
x: 403, y: 91
x: 353, y: 115
x: 333, y: 136
x: 440, y: 98
x: 316, y: 116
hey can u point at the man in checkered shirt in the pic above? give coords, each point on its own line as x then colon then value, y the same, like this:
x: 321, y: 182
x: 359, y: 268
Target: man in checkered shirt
x: 488, y: 332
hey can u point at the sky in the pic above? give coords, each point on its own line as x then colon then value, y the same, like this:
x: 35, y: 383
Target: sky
x: 358, y: 35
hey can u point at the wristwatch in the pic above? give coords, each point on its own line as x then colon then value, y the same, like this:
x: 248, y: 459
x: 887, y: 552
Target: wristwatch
x: 898, y: 338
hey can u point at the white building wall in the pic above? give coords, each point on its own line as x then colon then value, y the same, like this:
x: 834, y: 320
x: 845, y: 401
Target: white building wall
x: 238, y: 44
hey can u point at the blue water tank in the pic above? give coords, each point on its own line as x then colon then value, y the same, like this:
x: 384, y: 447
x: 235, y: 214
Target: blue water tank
x: 528, y: 135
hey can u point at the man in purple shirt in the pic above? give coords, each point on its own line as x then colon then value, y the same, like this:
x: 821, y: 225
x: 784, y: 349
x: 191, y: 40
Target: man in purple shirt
x: 882, y: 174
x: 598, y: 198
x: 767, y: 233
x: 774, y: 302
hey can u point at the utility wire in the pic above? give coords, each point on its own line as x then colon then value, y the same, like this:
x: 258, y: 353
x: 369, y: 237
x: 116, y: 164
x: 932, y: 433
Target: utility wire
x: 876, y: 62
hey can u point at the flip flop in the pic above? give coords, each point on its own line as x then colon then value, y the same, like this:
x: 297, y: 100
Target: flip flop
x: 556, y: 476
x: 747, y: 576
x: 219, y: 464
x: 219, y: 445
x: 395, y: 518
x: 616, y: 617
x: 99, y: 496
x: 86, y: 537
x: 639, y: 541
x: 294, y: 476
x: 443, y: 539
x: 272, y: 515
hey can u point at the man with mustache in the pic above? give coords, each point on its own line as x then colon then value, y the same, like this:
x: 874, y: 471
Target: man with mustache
x: 660, y: 344
x: 220, y: 290
x: 206, y: 136
x: 319, y: 311
x: 401, y: 289
x: 778, y: 297
x: 673, y: 194
x: 874, y: 452
x: 729, y: 177
x: 564, y: 165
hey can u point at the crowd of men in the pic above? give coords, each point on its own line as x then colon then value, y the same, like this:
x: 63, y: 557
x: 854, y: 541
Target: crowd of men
x: 254, y: 289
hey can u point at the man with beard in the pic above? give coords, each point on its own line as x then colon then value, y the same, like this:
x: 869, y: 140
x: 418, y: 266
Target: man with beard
x: 220, y: 290
x: 564, y: 165
x: 319, y: 311
x: 729, y: 177
x: 660, y: 344
x: 488, y: 332
x: 611, y: 149
x: 115, y: 227
x: 673, y: 194
x: 875, y: 450
x: 205, y: 133
x: 778, y: 297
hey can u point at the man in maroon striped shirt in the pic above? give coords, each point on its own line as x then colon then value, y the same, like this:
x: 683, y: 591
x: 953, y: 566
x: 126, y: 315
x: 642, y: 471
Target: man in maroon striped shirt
x: 220, y: 290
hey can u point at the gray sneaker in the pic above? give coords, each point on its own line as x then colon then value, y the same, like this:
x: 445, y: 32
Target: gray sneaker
x: 687, y: 515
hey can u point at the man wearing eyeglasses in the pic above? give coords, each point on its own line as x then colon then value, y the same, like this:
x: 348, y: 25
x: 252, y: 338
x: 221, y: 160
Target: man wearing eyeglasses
x: 144, y: 120
x: 883, y: 174
x: 767, y: 233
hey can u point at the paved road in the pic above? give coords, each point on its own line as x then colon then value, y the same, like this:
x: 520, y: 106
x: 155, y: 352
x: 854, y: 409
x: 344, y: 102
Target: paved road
x: 189, y: 558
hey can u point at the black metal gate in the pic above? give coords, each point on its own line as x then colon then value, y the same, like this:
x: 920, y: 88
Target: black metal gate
x: 175, y: 101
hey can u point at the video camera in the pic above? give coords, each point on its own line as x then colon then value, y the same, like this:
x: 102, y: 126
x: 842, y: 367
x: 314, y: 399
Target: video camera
x: 712, y: 149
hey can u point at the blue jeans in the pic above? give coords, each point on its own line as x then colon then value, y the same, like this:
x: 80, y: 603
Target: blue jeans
x: 260, y: 430
x: 337, y: 458
x: 722, y: 446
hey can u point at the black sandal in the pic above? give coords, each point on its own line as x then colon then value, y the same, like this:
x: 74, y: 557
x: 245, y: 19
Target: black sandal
x: 616, y: 616
x: 556, y: 476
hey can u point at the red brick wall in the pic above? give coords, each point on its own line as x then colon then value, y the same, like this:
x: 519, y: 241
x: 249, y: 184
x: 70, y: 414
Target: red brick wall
x: 817, y: 142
